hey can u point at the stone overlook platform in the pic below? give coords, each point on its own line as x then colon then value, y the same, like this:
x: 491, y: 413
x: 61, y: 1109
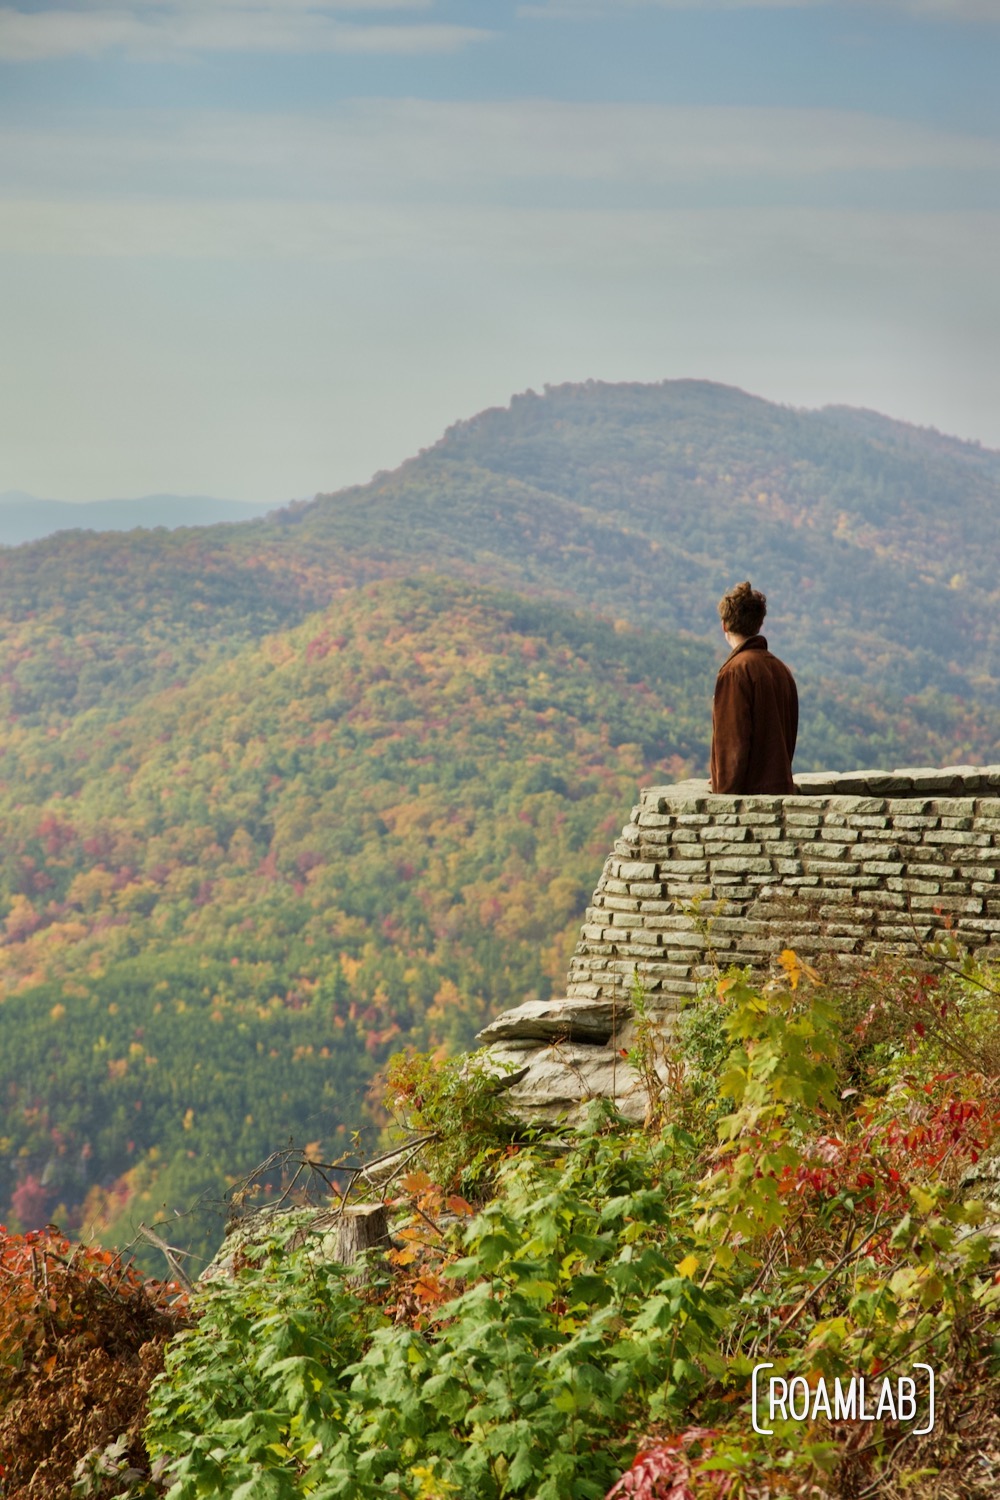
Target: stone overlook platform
x: 856, y: 864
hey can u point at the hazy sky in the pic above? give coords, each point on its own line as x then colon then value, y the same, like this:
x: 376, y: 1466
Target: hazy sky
x: 260, y: 248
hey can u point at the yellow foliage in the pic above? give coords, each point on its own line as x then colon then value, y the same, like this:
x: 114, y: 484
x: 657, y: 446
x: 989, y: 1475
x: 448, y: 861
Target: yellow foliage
x: 796, y: 968
x: 21, y: 918
x: 349, y: 967
x: 91, y: 889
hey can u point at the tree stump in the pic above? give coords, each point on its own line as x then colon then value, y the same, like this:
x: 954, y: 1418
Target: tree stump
x: 339, y: 1234
x: 362, y: 1226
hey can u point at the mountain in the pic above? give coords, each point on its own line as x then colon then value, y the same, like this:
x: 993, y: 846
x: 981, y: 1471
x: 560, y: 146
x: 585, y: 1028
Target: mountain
x: 279, y: 797
x: 873, y: 540
x: 26, y: 518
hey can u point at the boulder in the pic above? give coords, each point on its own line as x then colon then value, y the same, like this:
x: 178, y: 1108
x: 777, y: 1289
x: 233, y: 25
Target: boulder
x: 560, y: 1079
x: 576, y: 1020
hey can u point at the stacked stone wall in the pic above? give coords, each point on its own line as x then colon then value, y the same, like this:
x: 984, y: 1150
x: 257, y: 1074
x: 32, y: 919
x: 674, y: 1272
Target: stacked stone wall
x: 853, y: 866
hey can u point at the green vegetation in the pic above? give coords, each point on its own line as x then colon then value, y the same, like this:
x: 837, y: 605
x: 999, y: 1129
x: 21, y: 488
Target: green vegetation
x: 601, y: 1313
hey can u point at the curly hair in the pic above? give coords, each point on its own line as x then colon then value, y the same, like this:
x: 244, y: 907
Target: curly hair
x: 742, y: 610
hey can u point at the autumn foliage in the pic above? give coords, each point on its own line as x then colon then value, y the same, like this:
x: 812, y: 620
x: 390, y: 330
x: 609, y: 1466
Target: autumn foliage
x: 225, y: 905
x: 81, y: 1338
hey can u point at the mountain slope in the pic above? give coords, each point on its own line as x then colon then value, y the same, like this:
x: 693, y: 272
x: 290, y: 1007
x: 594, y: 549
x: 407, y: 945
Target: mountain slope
x: 874, y: 542
x: 858, y: 538
x: 220, y: 912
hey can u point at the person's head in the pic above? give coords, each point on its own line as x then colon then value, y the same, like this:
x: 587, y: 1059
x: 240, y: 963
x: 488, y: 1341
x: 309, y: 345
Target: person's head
x: 742, y: 611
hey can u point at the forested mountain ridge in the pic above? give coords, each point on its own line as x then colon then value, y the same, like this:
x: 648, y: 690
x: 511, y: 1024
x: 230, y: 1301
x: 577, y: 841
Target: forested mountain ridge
x: 874, y: 541
x: 26, y: 518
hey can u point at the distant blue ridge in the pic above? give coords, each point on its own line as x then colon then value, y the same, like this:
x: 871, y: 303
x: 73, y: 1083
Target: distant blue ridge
x: 25, y: 518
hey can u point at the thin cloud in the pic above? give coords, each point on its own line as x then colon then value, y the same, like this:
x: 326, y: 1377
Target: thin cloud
x: 592, y: 10
x: 385, y: 149
x: 176, y: 30
x: 589, y: 10
x: 603, y: 243
x: 355, y: 7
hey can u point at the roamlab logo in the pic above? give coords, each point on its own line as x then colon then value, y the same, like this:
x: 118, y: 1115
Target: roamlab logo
x: 859, y: 1399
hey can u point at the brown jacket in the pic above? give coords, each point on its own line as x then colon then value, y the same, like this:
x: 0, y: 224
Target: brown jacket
x: 755, y: 719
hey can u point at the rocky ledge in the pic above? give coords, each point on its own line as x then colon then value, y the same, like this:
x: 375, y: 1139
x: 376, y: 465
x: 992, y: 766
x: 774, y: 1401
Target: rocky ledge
x: 559, y: 1054
x: 909, y: 781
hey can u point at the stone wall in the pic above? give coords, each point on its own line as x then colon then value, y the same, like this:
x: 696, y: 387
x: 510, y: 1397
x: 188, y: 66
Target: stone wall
x: 860, y: 864
x: 855, y: 865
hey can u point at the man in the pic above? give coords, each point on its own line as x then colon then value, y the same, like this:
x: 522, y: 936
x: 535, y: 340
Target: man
x: 755, y: 716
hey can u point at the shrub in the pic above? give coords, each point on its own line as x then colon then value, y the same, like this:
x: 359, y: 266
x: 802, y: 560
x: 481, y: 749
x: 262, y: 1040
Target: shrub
x: 594, y: 1325
x: 81, y: 1338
